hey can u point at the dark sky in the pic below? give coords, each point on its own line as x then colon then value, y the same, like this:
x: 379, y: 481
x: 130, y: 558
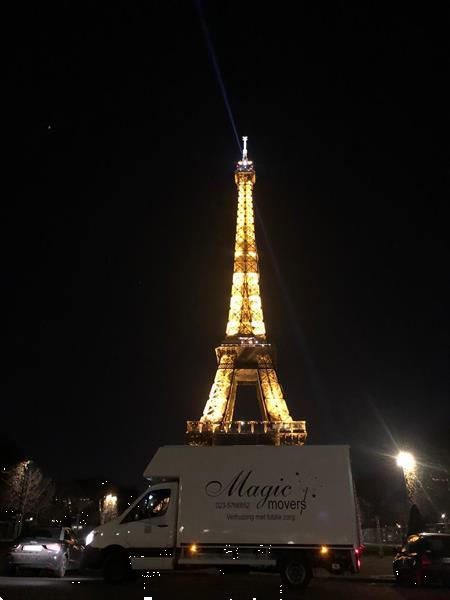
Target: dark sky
x: 118, y: 220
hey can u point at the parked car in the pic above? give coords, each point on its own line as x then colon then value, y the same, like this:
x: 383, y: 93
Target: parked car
x: 424, y: 558
x: 52, y: 548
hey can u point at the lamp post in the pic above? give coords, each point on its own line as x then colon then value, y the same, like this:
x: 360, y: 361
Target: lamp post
x: 407, y: 463
x: 24, y: 483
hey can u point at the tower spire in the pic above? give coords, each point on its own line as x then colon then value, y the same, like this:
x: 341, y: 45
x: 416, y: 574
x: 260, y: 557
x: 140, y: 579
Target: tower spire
x: 244, y: 150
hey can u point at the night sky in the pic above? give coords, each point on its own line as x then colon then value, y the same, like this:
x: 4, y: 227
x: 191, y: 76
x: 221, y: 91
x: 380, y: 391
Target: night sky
x: 118, y: 219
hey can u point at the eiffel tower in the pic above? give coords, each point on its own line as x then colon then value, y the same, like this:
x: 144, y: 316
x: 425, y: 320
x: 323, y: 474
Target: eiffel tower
x: 245, y: 357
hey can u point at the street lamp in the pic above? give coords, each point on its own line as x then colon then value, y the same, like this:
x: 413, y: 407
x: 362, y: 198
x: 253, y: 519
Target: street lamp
x: 406, y: 461
x: 108, y: 508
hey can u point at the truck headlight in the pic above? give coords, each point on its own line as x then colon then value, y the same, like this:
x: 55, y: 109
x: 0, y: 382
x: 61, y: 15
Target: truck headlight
x: 90, y: 537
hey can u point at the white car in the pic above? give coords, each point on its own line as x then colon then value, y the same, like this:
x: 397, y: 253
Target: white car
x: 54, y: 549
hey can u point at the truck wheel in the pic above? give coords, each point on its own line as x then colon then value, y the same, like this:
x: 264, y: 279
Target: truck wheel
x: 295, y: 572
x: 116, y: 567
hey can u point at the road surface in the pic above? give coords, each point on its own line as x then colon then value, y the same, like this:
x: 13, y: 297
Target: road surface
x: 204, y: 586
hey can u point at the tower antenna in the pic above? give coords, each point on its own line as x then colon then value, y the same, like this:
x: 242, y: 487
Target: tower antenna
x: 244, y: 149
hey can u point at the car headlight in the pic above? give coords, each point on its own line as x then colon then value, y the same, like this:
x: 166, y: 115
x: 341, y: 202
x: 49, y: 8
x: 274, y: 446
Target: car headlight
x: 90, y: 537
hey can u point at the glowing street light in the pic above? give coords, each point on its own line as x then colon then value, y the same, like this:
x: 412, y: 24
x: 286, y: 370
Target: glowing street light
x: 406, y: 461
x: 111, y: 499
x: 108, y: 508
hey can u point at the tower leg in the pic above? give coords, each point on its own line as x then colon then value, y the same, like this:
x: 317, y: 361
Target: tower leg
x: 220, y: 391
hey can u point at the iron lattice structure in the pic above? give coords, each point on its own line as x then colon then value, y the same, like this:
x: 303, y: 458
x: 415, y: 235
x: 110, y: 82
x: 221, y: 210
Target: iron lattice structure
x: 245, y: 357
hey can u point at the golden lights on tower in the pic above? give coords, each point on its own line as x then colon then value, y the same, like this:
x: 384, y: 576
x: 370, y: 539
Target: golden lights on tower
x: 245, y: 317
x: 245, y: 357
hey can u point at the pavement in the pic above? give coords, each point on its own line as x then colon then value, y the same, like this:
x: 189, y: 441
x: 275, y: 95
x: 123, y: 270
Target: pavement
x: 207, y: 586
x: 375, y: 582
x: 373, y: 569
x: 376, y: 568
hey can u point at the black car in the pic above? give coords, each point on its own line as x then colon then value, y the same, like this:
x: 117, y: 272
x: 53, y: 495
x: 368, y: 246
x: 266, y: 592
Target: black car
x: 54, y: 549
x: 425, y: 558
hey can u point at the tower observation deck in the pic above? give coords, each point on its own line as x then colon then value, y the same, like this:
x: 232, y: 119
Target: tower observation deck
x: 245, y: 357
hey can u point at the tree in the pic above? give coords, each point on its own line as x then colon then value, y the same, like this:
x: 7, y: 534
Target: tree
x: 26, y: 490
x: 416, y: 523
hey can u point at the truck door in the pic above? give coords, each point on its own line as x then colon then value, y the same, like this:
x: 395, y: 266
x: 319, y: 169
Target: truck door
x: 150, y: 528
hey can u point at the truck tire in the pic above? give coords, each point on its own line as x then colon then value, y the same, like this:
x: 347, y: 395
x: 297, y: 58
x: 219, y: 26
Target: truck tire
x: 295, y: 572
x: 116, y: 567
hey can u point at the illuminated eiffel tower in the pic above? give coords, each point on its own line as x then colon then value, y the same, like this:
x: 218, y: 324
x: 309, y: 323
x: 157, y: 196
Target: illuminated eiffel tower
x: 245, y: 357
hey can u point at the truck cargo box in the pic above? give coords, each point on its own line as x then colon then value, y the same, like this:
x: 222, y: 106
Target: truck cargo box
x: 285, y: 495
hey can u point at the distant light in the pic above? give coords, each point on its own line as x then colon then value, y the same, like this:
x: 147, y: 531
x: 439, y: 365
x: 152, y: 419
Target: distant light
x: 193, y: 548
x: 443, y: 515
x: 324, y: 549
x: 406, y: 461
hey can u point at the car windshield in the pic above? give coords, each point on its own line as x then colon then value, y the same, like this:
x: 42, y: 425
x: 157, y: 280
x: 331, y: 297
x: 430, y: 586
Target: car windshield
x: 49, y: 532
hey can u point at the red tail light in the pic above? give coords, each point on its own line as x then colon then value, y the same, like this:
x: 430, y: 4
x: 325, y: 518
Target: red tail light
x: 425, y: 560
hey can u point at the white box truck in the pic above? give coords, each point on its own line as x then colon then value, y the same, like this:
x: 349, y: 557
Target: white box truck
x: 278, y: 508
